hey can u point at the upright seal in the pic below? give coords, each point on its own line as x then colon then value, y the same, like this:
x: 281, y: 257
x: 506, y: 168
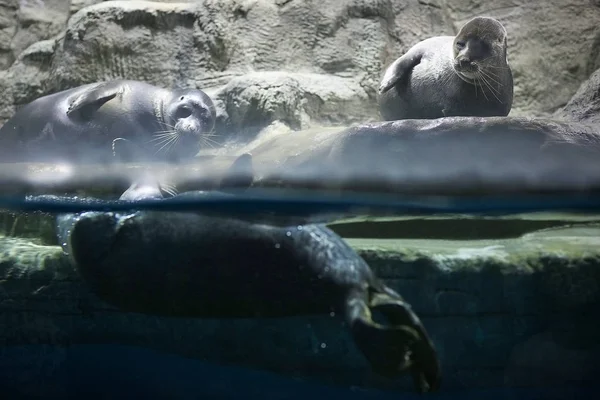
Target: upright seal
x: 443, y: 76
x: 79, y: 125
x: 192, y: 265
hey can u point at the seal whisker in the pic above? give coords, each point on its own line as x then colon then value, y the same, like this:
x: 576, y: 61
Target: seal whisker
x: 492, y: 89
x: 207, y: 143
x: 161, y: 140
x: 162, y: 135
x: 165, y: 131
x: 168, y: 125
x: 169, y: 189
x: 208, y: 137
x: 168, y: 141
x: 175, y: 142
x: 489, y: 73
x: 485, y: 82
x: 172, y: 144
x: 210, y: 142
x: 490, y: 77
x: 477, y: 79
x: 498, y: 85
x: 497, y: 67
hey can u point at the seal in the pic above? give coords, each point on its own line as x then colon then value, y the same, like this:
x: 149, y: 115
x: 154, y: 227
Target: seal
x: 182, y: 264
x: 79, y: 125
x: 443, y: 76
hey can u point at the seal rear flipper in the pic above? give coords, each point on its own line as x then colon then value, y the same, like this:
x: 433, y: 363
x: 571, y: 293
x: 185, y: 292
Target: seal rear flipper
x: 88, y: 102
x: 425, y: 365
x: 399, y: 70
x: 397, y: 345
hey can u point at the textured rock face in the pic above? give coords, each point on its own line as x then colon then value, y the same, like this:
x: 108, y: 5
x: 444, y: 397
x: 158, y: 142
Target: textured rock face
x: 25, y: 22
x: 298, y: 100
x: 585, y: 104
x: 208, y: 43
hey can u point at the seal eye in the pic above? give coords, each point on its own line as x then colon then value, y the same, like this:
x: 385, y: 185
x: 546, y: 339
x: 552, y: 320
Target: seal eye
x: 183, y: 112
x: 460, y: 44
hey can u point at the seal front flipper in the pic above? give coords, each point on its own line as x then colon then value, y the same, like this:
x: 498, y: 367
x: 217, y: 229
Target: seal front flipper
x: 400, y: 69
x: 397, y: 345
x: 85, y: 104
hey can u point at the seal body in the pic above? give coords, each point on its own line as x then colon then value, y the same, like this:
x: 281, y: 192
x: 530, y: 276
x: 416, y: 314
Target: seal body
x: 80, y: 124
x: 465, y: 75
x: 192, y: 265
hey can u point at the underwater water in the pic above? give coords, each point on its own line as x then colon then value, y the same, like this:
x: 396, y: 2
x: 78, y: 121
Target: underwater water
x: 492, y: 245
x: 105, y: 371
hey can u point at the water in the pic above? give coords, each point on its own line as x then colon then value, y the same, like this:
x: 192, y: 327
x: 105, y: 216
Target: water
x: 108, y: 355
x: 101, y: 371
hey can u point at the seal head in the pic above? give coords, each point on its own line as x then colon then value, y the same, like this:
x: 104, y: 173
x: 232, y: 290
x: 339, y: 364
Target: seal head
x: 189, y: 117
x: 479, y: 45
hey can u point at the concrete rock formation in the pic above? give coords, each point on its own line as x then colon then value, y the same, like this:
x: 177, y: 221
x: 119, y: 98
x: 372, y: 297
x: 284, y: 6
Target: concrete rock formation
x: 585, y: 105
x: 348, y: 43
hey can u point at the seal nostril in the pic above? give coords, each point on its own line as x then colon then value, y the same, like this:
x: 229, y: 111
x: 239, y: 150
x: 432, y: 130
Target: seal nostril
x: 183, y: 112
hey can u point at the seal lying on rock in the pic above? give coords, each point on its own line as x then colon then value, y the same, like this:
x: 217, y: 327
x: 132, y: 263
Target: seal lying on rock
x: 192, y: 265
x: 465, y: 75
x: 80, y: 124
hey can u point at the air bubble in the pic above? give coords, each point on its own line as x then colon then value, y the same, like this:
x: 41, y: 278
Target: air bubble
x: 277, y: 245
x: 332, y: 314
x: 323, y: 345
x: 300, y: 227
x: 288, y: 233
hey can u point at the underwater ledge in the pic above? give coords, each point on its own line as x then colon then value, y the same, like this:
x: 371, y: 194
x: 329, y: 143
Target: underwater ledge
x: 502, y: 313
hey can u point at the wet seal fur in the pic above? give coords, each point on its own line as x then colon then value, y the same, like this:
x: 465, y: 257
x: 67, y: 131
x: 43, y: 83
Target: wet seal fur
x: 80, y: 124
x: 443, y: 76
x: 192, y: 265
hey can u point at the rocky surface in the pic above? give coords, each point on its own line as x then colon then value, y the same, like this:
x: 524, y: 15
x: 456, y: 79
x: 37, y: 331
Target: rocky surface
x: 584, y: 106
x: 347, y: 43
x: 514, y: 312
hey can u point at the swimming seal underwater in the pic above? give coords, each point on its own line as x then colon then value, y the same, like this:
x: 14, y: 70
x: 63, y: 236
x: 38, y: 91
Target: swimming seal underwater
x: 463, y: 75
x: 192, y: 265
x: 80, y: 124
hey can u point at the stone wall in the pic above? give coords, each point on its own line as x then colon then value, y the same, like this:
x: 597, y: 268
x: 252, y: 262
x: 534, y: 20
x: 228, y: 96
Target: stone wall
x: 300, y: 62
